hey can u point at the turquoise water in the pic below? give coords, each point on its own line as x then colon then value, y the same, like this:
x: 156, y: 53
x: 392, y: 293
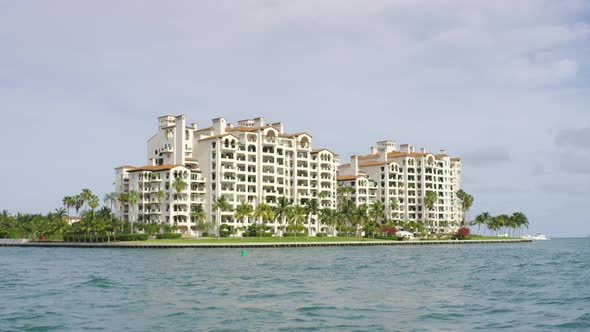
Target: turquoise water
x: 540, y: 286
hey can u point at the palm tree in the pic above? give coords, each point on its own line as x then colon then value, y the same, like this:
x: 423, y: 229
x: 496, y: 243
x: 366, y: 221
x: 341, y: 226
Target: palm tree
x: 220, y: 205
x: 93, y: 202
x: 343, y: 194
x: 360, y: 218
x: 466, y: 202
x: 179, y: 185
x: 85, y: 196
x: 520, y: 220
x: 244, y: 210
x: 264, y: 213
x: 430, y: 199
x: 109, y: 199
x: 132, y: 198
x: 481, y: 219
x: 377, y: 212
x: 78, y: 203
x: 160, y: 198
x: 298, y: 215
x: 312, y: 208
x: 282, y: 209
x: 329, y: 218
x: 69, y: 202
x: 199, y: 215
x: 122, y: 198
x: 393, y: 205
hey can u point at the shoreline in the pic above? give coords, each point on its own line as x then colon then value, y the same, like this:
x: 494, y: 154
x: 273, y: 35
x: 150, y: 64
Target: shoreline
x: 209, y: 245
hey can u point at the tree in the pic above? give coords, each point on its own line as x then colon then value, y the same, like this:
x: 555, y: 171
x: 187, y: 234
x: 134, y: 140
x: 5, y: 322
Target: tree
x: 520, y: 220
x: 243, y: 211
x: 282, y: 209
x: 69, y: 202
x: 466, y: 202
x: 93, y: 202
x: 132, y: 199
x: 109, y: 199
x: 481, y: 219
x: 179, y: 185
x: 298, y: 214
x: 264, y: 213
x: 78, y: 203
x: 85, y: 196
x: 377, y: 212
x: 220, y: 205
x: 312, y: 209
x: 329, y: 218
x: 122, y: 198
x: 393, y: 205
x: 430, y: 199
x: 199, y: 215
x: 360, y: 218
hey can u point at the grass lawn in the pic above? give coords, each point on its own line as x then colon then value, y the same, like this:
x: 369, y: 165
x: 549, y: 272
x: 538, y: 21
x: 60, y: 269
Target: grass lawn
x: 491, y: 237
x: 264, y: 239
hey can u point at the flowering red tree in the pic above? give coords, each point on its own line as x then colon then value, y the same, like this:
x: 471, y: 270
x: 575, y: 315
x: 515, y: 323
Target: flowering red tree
x: 388, y: 230
x: 463, y: 232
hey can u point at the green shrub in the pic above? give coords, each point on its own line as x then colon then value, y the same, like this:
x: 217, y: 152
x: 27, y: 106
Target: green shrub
x: 256, y: 234
x: 169, y: 236
x: 205, y: 234
x: 289, y: 234
x: 321, y: 235
x: 16, y: 233
x: 132, y: 237
x: 380, y: 237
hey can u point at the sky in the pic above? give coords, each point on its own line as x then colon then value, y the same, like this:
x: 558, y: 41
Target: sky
x: 504, y: 85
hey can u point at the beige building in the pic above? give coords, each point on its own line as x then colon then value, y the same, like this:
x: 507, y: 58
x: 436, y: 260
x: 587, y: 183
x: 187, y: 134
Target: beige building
x: 250, y: 161
x: 400, y: 178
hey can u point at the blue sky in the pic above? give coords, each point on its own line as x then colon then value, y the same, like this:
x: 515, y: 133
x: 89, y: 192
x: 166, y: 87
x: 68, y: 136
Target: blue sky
x: 503, y: 85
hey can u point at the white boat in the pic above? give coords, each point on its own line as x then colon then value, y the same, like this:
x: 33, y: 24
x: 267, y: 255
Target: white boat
x: 537, y: 237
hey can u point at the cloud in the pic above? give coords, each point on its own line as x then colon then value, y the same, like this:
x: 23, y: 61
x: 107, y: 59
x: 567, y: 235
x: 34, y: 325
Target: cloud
x: 579, y: 165
x: 578, y: 188
x: 578, y: 138
x: 487, y: 156
x: 489, y: 78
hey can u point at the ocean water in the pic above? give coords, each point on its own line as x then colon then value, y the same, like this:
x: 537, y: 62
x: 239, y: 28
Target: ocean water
x: 540, y: 286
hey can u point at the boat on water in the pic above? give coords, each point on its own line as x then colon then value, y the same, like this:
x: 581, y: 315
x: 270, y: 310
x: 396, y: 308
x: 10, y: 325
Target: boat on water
x: 538, y: 237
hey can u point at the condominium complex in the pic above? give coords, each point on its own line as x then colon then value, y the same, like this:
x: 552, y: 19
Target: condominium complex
x: 254, y: 162
x: 400, y: 178
x: 249, y: 162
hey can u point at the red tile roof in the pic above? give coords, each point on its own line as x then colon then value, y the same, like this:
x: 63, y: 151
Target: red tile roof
x: 154, y: 168
x: 375, y: 163
x: 216, y: 136
x: 346, y: 177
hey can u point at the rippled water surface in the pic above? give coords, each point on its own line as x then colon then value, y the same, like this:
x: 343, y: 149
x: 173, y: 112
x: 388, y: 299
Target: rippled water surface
x: 540, y: 286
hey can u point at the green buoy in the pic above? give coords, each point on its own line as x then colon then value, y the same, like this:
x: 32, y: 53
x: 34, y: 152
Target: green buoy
x: 244, y: 253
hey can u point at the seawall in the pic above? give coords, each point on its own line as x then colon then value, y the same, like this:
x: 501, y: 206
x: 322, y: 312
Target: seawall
x: 251, y: 245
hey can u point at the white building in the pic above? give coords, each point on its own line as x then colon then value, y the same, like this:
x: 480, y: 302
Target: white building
x: 400, y: 178
x: 250, y: 161
x: 255, y: 162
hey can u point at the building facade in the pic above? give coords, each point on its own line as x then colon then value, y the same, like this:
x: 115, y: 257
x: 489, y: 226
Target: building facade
x: 254, y: 162
x: 400, y: 178
x: 249, y: 162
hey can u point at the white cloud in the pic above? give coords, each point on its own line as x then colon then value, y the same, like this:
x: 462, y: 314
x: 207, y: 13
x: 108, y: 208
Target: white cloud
x: 460, y: 75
